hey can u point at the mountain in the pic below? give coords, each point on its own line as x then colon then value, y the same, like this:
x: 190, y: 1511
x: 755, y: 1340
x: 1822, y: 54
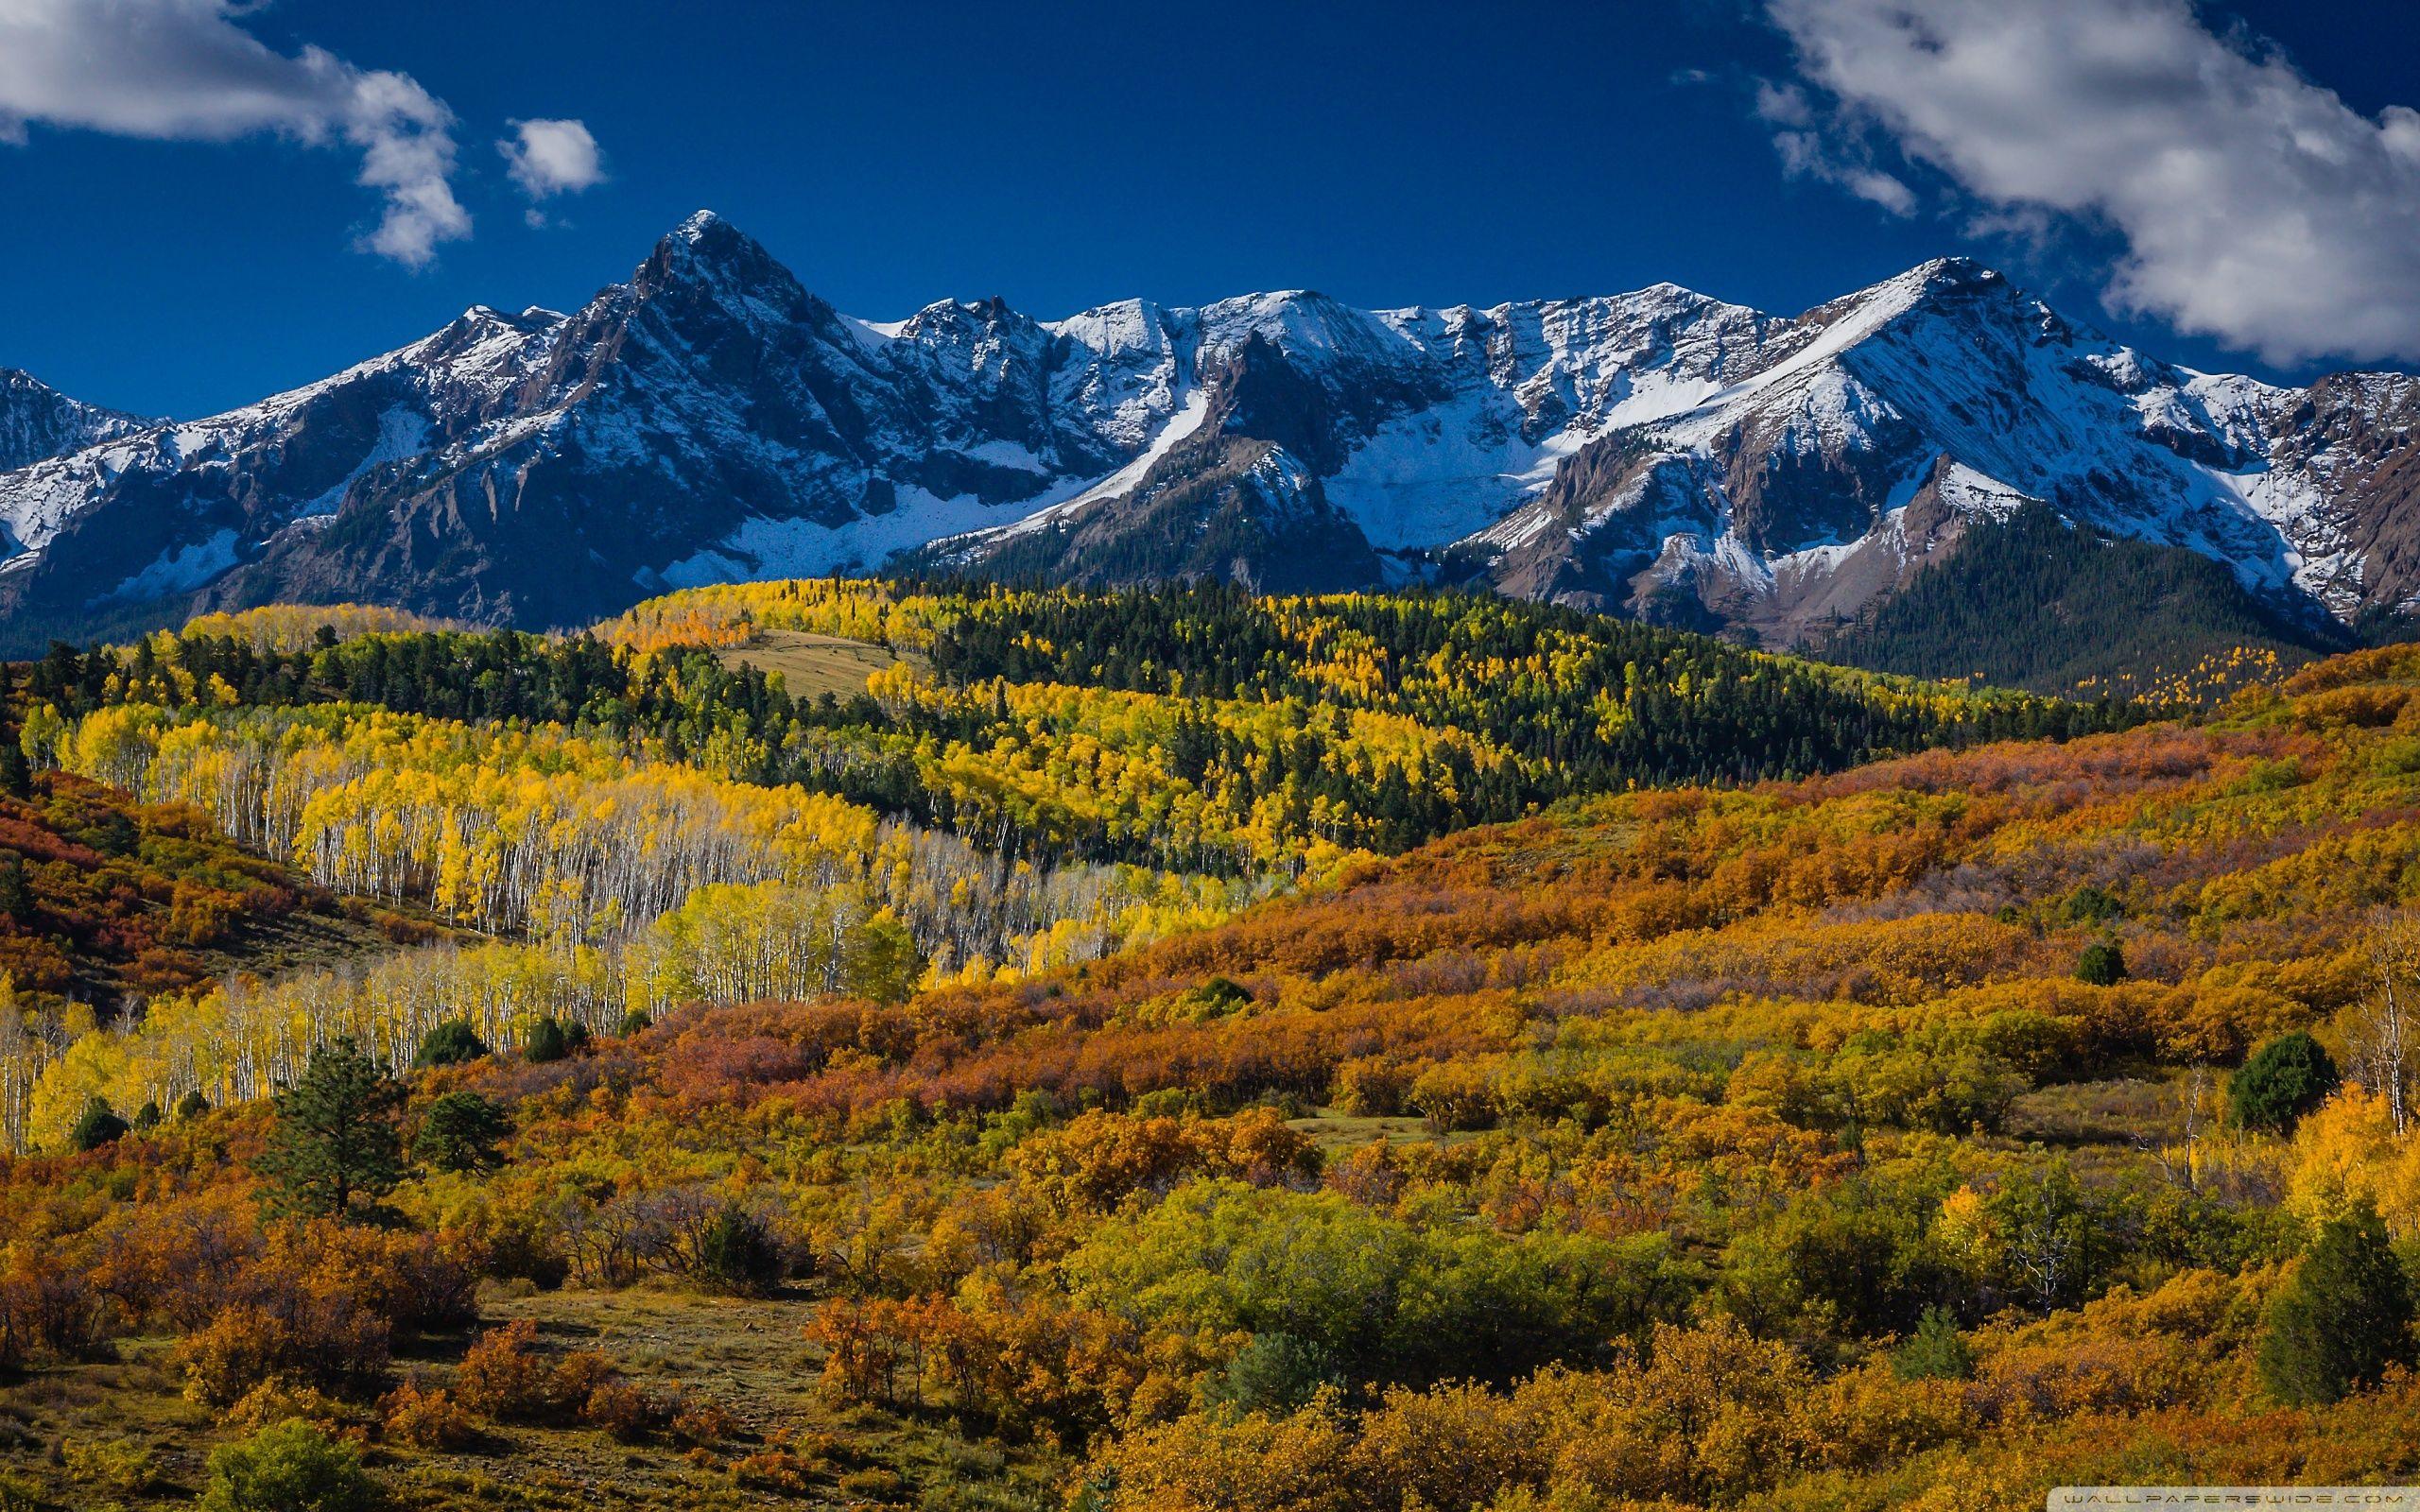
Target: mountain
x: 38, y: 421
x: 2032, y: 601
x: 1657, y: 453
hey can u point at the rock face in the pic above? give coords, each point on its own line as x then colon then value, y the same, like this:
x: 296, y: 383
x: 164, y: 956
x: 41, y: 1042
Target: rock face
x: 38, y: 422
x: 1658, y: 453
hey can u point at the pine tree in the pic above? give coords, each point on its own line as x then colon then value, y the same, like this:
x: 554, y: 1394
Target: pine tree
x: 2344, y: 1316
x: 98, y: 1125
x: 16, y: 896
x: 335, y: 1139
x: 450, y: 1043
x: 1935, y: 1352
x: 462, y: 1132
x: 2283, y: 1080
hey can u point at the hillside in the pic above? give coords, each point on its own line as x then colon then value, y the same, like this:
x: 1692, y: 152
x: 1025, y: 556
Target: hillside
x: 1874, y: 1135
x: 2033, y: 602
x: 626, y: 819
x: 1198, y: 730
x: 104, y: 902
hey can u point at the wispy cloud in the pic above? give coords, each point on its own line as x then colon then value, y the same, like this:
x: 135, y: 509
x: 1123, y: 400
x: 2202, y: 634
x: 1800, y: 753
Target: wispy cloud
x: 185, y: 70
x: 1841, y: 157
x: 2255, y: 205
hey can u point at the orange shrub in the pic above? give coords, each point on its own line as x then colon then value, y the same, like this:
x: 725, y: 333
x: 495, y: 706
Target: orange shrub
x: 426, y: 1417
x: 702, y: 1422
x: 503, y: 1376
x: 304, y: 1331
x: 625, y: 1411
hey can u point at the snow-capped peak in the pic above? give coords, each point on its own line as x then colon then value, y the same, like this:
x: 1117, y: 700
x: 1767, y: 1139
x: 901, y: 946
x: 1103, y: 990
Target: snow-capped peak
x: 712, y: 419
x: 38, y: 422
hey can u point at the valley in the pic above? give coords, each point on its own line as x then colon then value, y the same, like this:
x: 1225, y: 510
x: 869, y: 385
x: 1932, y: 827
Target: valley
x: 1352, y: 758
x: 1074, y: 1067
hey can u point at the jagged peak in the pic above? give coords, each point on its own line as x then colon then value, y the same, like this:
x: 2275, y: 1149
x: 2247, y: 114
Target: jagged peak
x: 23, y: 385
x: 1957, y: 267
x: 1298, y: 320
x: 1930, y: 279
x: 708, y: 253
x: 706, y: 238
x: 482, y: 322
x: 1273, y: 302
x: 23, y: 382
x: 953, y: 319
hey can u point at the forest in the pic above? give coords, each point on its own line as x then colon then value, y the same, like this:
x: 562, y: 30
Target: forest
x: 2033, y: 601
x: 1174, y: 1051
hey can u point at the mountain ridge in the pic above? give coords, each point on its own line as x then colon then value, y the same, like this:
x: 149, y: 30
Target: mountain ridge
x: 1660, y: 453
x: 38, y: 421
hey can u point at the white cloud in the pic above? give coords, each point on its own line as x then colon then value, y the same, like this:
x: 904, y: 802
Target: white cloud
x: 1841, y: 156
x: 1783, y: 104
x: 183, y: 70
x: 552, y: 158
x: 2256, y: 206
x: 1807, y: 155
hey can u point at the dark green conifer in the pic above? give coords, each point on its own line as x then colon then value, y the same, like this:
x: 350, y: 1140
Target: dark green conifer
x: 2344, y: 1316
x: 463, y: 1132
x: 335, y: 1141
x: 98, y: 1125
x: 2283, y: 1080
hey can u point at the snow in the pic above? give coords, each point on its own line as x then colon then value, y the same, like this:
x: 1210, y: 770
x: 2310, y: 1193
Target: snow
x: 180, y: 568
x: 1282, y: 483
x: 1969, y: 493
x: 763, y: 548
x: 1006, y: 453
x: 1187, y: 420
x: 402, y: 434
x: 1127, y: 326
x: 1131, y: 372
x: 873, y: 335
x: 1441, y: 474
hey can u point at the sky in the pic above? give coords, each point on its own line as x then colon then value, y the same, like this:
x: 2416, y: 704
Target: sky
x: 202, y: 202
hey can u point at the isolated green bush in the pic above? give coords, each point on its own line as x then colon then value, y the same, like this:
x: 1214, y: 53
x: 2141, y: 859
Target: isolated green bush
x: 2102, y: 963
x: 450, y: 1043
x: 2283, y: 1080
x: 291, y: 1467
x: 740, y: 1252
x: 98, y: 1125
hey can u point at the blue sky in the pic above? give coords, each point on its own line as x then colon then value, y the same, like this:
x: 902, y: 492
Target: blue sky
x: 1066, y: 155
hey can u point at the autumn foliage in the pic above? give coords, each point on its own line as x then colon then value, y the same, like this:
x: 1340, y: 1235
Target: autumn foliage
x: 1731, y: 1144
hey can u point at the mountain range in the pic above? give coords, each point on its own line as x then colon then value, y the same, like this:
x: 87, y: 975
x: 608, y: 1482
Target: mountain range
x: 1658, y: 453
